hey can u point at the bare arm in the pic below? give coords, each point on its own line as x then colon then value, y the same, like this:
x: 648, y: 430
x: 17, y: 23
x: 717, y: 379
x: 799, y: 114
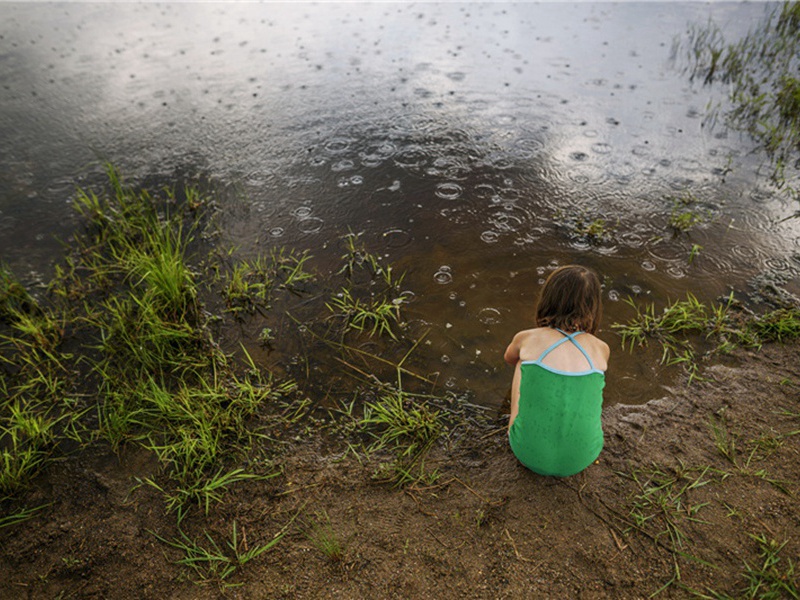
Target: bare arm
x: 511, y: 355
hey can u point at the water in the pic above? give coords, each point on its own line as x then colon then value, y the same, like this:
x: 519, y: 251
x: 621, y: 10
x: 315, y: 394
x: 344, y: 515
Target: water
x: 461, y: 140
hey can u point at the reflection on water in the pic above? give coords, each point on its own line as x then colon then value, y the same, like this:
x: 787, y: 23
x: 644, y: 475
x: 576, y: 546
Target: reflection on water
x: 462, y: 141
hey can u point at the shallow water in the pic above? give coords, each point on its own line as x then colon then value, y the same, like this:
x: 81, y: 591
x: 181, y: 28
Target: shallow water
x: 460, y: 140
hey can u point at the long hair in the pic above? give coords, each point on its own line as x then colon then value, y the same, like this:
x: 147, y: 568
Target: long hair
x: 570, y: 300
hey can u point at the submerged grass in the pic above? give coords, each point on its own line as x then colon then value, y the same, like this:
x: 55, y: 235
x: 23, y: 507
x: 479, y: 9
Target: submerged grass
x: 591, y: 228
x: 760, y: 76
x: 685, y: 214
x: 251, y: 283
x: 148, y: 370
x: 405, y: 425
x: 723, y: 325
x: 367, y: 310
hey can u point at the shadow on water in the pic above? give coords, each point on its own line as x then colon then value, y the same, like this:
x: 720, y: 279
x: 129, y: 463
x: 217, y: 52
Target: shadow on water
x: 475, y: 147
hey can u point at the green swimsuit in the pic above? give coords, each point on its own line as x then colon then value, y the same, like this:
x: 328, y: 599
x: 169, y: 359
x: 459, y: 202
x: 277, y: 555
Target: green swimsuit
x: 557, y: 430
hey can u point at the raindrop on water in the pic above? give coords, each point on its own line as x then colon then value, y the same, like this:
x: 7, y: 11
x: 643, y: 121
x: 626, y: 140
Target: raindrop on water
x: 489, y: 316
x: 448, y: 191
x: 310, y: 225
x: 443, y: 276
x: 490, y: 237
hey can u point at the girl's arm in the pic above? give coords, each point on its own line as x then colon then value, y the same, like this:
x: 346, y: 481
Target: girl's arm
x: 511, y: 355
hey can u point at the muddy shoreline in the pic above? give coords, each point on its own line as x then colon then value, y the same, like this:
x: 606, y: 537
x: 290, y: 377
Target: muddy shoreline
x: 663, y: 505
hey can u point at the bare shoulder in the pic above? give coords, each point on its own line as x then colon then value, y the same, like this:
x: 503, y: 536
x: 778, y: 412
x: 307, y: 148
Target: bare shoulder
x: 597, y: 349
x: 526, y: 334
x: 533, y: 336
x: 531, y: 342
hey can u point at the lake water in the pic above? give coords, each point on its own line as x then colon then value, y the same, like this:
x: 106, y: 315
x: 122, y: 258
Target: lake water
x: 462, y: 141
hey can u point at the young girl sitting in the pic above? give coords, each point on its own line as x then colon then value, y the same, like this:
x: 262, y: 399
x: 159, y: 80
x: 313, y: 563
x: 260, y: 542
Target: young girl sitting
x: 559, y: 375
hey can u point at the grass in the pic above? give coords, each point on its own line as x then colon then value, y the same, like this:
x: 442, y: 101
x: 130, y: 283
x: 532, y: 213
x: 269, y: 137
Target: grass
x: 367, y: 310
x: 759, y: 73
x: 679, y: 326
x: 320, y: 532
x: 668, y: 507
x: 20, y: 516
x: 406, y: 426
x: 249, y: 286
x: 147, y: 369
x: 250, y: 283
x: 694, y: 252
x: 663, y: 504
x: 592, y: 229
x: 375, y: 315
x: 744, y: 456
x: 684, y: 214
x: 662, y: 509
x: 357, y: 259
x: 213, y: 561
x: 779, y: 325
x: 14, y: 298
x: 771, y: 577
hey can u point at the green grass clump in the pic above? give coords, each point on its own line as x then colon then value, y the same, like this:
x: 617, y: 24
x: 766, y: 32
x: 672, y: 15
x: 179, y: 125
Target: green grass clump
x: 771, y: 577
x: 406, y: 426
x: 250, y: 284
x: 320, y: 532
x: 684, y: 214
x: 718, y: 323
x: 779, y: 325
x: 375, y: 315
x: 14, y: 298
x: 357, y: 260
x: 669, y: 328
x: 759, y: 73
x: 721, y: 325
x: 592, y: 229
x: 34, y: 412
x: 214, y: 562
x: 146, y: 368
x: 370, y: 310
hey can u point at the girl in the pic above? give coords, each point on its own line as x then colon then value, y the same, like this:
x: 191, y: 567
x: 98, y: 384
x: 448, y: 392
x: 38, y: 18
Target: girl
x: 559, y: 375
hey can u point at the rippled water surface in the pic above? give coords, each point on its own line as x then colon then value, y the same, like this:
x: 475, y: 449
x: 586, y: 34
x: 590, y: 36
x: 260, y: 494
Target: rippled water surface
x: 467, y: 143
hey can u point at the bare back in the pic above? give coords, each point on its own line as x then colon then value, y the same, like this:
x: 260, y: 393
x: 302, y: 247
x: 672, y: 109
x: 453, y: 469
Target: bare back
x: 531, y: 343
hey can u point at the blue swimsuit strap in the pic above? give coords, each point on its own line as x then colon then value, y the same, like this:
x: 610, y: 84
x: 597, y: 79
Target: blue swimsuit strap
x: 567, y: 337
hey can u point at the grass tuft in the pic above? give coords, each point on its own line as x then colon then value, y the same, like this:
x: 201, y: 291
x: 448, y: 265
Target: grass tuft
x: 323, y: 537
x: 403, y: 424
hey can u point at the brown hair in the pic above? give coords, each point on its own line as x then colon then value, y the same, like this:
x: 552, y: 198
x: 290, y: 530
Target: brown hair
x: 570, y: 300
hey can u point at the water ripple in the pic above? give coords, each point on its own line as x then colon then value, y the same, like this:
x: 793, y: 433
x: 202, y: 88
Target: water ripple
x: 411, y: 157
x: 490, y: 316
x: 310, y: 225
x: 337, y: 145
x: 448, y: 191
x: 301, y: 212
x: 396, y: 238
x: 490, y: 237
x: 443, y: 276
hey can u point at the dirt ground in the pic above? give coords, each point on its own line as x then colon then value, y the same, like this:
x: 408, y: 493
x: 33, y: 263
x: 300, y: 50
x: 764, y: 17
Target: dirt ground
x: 664, y: 505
